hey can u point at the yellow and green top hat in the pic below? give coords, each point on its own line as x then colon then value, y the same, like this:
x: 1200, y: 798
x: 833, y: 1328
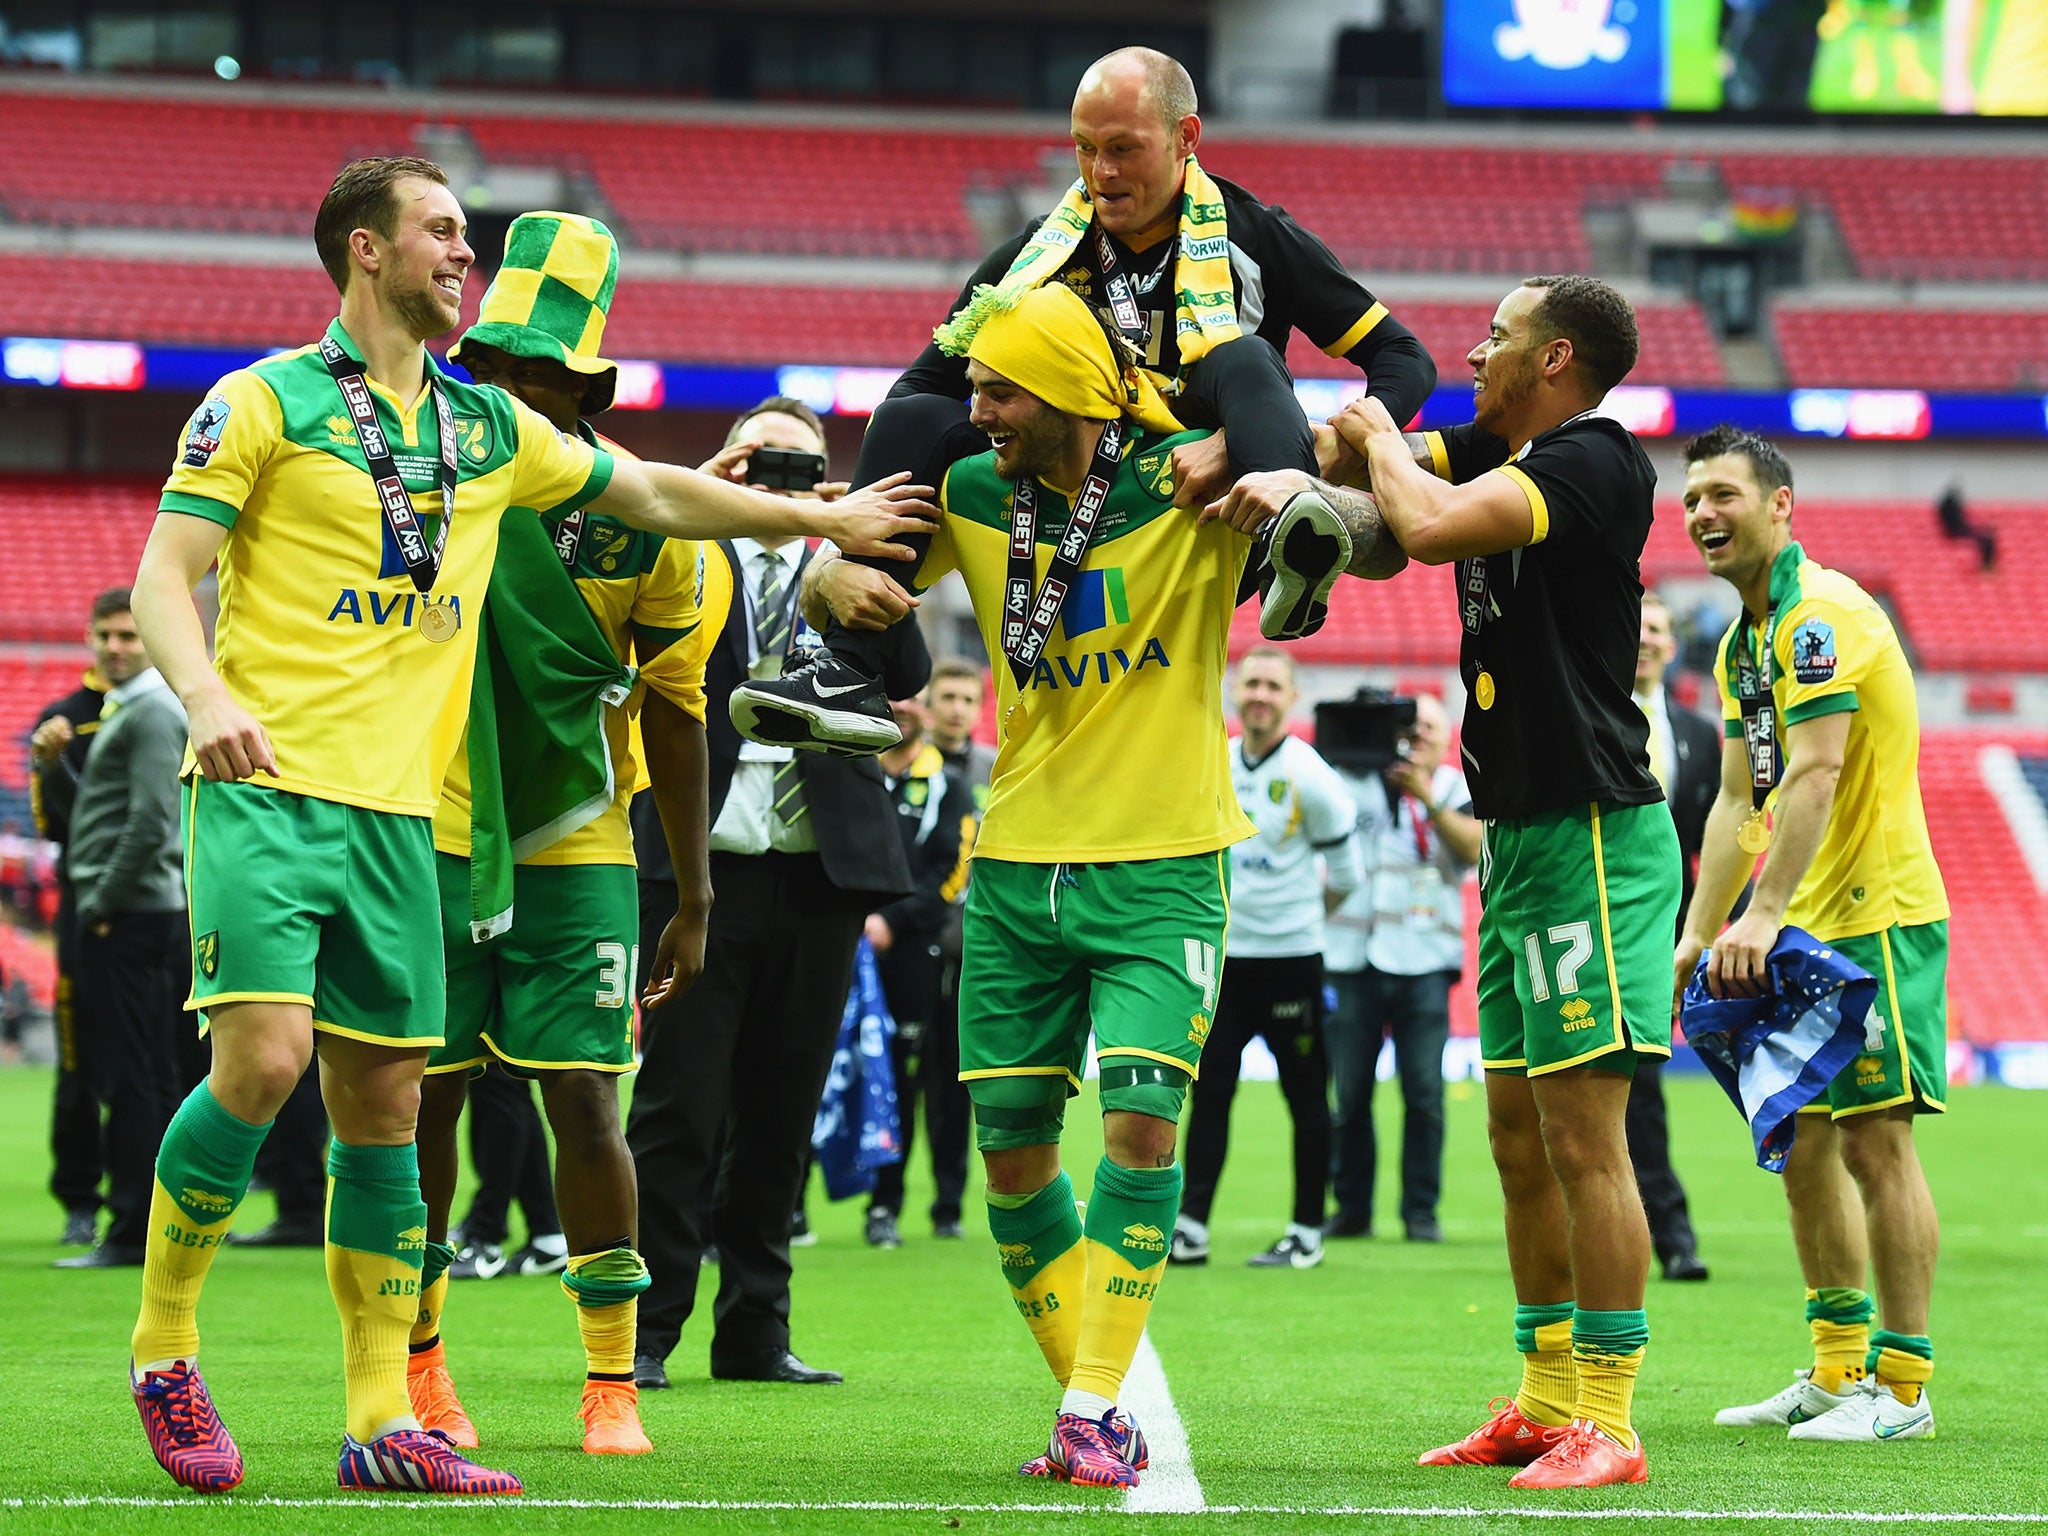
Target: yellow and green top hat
x: 550, y: 299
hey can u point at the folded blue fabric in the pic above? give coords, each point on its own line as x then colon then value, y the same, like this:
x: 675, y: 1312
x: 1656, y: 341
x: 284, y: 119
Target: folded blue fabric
x: 858, y: 1128
x: 1777, y: 1053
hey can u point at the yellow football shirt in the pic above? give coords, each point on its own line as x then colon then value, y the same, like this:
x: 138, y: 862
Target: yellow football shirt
x: 319, y: 635
x: 643, y: 591
x: 1116, y: 747
x: 1834, y: 649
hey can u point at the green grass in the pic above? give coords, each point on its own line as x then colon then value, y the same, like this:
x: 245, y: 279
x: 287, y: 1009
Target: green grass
x: 1306, y: 1390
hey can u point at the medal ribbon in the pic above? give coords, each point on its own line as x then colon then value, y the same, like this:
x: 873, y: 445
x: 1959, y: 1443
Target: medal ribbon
x: 1759, y: 712
x: 1027, y: 618
x: 422, y: 561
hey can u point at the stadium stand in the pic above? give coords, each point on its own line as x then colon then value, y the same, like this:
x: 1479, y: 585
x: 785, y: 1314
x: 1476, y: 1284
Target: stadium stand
x: 50, y: 582
x: 1677, y: 346
x: 1998, y: 914
x: 1904, y: 348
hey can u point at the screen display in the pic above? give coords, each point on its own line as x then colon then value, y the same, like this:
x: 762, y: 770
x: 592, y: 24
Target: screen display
x: 1986, y: 58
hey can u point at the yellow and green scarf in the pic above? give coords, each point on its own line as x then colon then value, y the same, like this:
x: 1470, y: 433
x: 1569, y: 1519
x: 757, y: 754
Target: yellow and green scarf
x: 1205, y: 311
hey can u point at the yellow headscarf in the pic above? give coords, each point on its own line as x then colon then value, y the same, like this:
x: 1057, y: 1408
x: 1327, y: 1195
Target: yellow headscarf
x: 1048, y: 341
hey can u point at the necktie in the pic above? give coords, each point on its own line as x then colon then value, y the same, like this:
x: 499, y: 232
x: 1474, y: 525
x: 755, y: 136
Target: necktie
x: 771, y: 635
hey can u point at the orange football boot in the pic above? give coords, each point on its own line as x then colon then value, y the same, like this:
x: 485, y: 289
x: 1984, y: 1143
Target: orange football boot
x: 1505, y: 1440
x: 1587, y: 1457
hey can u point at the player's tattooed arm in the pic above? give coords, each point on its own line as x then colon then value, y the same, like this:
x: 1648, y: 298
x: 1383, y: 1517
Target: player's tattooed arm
x: 1341, y: 462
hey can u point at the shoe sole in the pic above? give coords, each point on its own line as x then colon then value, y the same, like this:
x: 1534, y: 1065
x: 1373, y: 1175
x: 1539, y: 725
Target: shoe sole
x: 1309, y: 551
x: 778, y: 722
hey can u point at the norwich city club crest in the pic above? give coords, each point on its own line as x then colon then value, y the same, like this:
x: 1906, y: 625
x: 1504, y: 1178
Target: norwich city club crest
x: 473, y: 438
x: 206, y: 950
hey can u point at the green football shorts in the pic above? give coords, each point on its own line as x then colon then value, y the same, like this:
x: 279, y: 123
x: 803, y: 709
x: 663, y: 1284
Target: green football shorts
x: 1905, y: 1034
x: 1133, y: 948
x: 297, y: 900
x: 1578, y: 909
x: 554, y: 992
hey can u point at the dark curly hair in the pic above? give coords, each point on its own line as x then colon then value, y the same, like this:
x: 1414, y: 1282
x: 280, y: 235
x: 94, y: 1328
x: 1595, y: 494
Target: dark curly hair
x: 1595, y: 319
x: 1765, y: 461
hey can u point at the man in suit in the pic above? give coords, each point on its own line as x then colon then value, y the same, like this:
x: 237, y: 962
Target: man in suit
x: 803, y: 848
x: 1685, y: 755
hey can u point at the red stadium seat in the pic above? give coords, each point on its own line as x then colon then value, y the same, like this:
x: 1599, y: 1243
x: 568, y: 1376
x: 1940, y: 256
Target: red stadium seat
x: 1970, y: 349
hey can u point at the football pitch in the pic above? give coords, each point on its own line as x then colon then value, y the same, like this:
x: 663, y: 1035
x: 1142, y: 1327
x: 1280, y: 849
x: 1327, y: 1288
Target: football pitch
x: 1281, y: 1400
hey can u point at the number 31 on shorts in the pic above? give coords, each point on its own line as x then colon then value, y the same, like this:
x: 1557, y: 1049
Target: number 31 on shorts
x: 1576, y: 942
x: 616, y: 966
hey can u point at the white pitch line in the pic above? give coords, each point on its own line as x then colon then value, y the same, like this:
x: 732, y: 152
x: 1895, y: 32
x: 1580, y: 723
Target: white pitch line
x: 892, y: 1506
x: 1168, y: 1485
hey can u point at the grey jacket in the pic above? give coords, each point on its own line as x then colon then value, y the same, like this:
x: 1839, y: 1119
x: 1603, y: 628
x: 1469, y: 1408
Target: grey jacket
x: 125, y: 853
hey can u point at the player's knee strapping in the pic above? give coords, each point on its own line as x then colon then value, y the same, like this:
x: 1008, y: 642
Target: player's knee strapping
x: 1038, y: 1243
x: 1144, y: 1088
x: 1023, y: 1111
x: 606, y: 1287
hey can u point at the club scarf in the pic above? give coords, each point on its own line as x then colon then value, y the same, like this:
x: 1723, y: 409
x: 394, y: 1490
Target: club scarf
x: 1205, y: 309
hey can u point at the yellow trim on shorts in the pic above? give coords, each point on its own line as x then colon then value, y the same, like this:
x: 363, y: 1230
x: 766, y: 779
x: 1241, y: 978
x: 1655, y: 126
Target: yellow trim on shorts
x: 1503, y: 1066
x: 1891, y: 993
x: 979, y: 1073
x: 1607, y: 931
x: 456, y: 1066
x: 221, y: 999
x: 1661, y: 1052
x: 191, y: 839
x: 1223, y: 944
x: 498, y: 1051
x: 1159, y: 1056
x: 1539, y: 509
x: 421, y: 1043
x: 1361, y: 328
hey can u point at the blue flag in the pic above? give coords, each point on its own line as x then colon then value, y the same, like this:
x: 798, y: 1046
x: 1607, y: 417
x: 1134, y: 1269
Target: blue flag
x: 1777, y: 1053
x: 857, y: 1129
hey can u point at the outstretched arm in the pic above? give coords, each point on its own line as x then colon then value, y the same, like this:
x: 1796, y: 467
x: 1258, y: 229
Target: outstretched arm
x: 688, y: 504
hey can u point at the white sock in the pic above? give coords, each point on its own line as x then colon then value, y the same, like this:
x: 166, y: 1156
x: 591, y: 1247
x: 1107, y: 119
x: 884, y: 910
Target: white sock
x: 1309, y: 1237
x: 1197, y: 1231
x: 1090, y: 1405
x: 553, y: 1244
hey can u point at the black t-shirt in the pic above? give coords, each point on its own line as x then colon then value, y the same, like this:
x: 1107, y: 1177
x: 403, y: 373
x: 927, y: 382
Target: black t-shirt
x: 1551, y: 629
x: 1283, y: 279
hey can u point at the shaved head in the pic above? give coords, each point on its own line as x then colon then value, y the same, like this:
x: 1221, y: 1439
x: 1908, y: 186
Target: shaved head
x: 1159, y: 78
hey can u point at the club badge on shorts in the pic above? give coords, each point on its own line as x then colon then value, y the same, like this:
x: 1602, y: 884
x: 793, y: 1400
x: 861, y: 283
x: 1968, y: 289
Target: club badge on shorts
x: 439, y: 621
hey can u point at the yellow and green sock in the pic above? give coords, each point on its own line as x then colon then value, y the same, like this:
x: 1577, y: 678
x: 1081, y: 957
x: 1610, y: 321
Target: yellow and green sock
x: 426, y: 1323
x: 1838, y: 1316
x: 1903, y: 1363
x: 1128, y: 1230
x: 1607, y: 1348
x: 1038, y: 1243
x: 606, y: 1287
x: 376, y: 1252
x: 1550, y: 1381
x: 203, y: 1167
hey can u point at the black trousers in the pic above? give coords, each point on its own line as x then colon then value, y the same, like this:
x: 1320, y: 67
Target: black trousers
x: 510, y: 1152
x: 1649, y: 1149
x: 927, y: 1061
x: 750, y: 1042
x: 1416, y: 1011
x: 293, y: 1158
x: 1281, y: 999
x: 1243, y: 385
x: 134, y: 970
x: 75, y: 1163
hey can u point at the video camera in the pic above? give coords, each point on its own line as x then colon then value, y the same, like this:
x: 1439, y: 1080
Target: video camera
x: 1367, y: 733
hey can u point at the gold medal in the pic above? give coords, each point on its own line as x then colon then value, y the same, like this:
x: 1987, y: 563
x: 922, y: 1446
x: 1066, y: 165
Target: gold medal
x: 1482, y: 689
x: 1754, y: 835
x: 438, y: 621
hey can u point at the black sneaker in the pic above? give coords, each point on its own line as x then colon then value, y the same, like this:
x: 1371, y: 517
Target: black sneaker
x: 819, y: 704
x: 882, y: 1231
x: 1190, y: 1245
x: 800, y: 1233
x: 1309, y: 549
x: 1291, y: 1252
x: 478, y: 1261
x: 1348, y: 1224
x: 947, y: 1228
x: 81, y: 1227
x: 536, y: 1260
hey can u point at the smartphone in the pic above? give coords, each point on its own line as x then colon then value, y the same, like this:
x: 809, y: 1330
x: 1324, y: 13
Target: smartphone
x: 785, y: 469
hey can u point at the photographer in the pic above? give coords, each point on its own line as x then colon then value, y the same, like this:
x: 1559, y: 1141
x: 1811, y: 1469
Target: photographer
x: 1396, y: 945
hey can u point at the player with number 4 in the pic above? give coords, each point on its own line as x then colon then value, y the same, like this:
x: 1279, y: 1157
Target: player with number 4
x: 1823, y: 731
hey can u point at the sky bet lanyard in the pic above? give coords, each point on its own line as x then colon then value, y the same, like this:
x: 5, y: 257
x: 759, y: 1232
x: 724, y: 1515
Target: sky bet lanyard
x: 1027, y: 623
x: 422, y: 562
x: 1759, y: 731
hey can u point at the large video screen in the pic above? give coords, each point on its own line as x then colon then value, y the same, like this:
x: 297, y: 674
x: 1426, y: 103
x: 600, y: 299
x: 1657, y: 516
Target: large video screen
x: 1984, y: 58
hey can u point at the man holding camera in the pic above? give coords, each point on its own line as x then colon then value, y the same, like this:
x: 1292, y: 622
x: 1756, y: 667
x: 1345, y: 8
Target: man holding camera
x: 803, y: 848
x: 1395, y: 948
x: 1273, y: 978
